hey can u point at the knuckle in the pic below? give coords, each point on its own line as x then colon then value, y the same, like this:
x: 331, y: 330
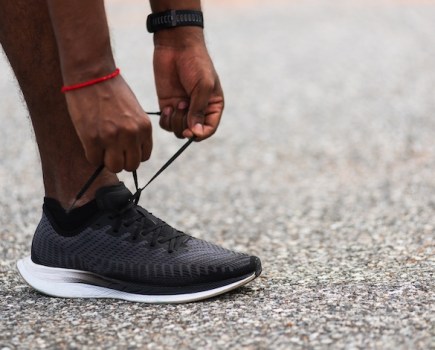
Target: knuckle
x: 93, y: 136
x: 131, y: 128
x: 146, y: 127
x: 207, y: 84
x: 109, y: 132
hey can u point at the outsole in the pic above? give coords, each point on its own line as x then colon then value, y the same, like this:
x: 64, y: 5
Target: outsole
x: 66, y: 283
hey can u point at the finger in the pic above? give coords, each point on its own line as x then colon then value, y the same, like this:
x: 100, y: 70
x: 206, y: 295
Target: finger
x: 208, y: 129
x: 147, y: 148
x: 187, y: 133
x: 146, y: 145
x: 211, y: 120
x: 132, y: 158
x: 198, y: 106
x: 114, y: 160
x: 165, y: 118
x: 178, y: 119
x: 94, y: 154
x: 210, y: 125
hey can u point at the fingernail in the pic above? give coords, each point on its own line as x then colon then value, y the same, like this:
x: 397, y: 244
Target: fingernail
x: 182, y: 105
x: 198, y: 128
x: 167, y: 111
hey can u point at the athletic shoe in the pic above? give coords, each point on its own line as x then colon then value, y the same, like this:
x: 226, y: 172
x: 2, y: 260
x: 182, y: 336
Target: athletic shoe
x: 122, y: 251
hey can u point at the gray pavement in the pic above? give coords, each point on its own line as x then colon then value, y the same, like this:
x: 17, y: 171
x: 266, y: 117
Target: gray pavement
x: 324, y: 167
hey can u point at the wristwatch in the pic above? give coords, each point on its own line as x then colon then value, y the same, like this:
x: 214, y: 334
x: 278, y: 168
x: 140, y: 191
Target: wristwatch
x: 174, y: 18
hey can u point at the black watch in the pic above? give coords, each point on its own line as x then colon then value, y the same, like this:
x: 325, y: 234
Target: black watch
x: 174, y: 18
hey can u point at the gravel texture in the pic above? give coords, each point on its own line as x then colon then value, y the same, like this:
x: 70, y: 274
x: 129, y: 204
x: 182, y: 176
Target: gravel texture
x: 323, y: 166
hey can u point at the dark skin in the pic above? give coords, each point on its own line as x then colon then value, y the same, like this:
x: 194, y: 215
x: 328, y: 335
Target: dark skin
x: 42, y: 63
x: 111, y: 125
x: 187, y: 84
x: 180, y: 89
x: 27, y: 38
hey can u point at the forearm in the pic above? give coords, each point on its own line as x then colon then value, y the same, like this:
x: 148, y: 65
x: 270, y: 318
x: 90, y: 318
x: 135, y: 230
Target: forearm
x: 163, y: 5
x: 83, y: 39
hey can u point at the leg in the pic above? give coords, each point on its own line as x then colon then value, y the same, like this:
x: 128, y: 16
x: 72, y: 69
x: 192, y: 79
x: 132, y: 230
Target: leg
x: 27, y: 38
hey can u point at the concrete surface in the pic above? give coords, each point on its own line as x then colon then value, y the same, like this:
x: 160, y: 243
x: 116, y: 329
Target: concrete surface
x: 324, y: 167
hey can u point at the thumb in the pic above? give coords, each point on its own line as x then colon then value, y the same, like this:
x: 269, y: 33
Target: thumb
x: 199, y: 100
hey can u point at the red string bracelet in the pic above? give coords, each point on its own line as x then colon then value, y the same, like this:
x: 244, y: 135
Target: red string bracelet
x: 90, y: 82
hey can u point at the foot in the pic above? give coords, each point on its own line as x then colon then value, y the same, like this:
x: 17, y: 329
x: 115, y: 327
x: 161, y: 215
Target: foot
x: 122, y: 251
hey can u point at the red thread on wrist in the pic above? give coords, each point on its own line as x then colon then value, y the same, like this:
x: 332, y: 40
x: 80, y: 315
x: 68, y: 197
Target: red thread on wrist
x: 90, y: 82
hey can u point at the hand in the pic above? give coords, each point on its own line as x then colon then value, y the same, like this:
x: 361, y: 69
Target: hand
x: 111, y: 125
x: 188, y: 88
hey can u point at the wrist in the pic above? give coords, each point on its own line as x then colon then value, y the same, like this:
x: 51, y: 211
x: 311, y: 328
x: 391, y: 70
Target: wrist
x: 179, y: 37
x: 81, y: 85
x: 79, y: 70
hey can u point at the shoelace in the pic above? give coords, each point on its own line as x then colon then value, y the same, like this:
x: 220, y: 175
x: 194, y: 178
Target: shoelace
x: 136, y: 195
x: 159, y: 234
x: 161, y: 231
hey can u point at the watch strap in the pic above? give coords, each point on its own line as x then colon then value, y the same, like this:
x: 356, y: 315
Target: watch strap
x: 174, y: 18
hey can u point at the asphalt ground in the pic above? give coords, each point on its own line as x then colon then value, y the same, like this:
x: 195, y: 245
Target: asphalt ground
x: 323, y: 166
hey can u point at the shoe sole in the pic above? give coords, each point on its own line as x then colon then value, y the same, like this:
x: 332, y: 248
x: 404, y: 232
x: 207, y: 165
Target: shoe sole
x: 66, y: 283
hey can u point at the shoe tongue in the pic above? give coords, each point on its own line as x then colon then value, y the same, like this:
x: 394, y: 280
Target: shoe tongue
x: 113, y: 198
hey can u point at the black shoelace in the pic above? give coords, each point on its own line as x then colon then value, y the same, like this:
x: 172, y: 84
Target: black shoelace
x: 136, y: 195
x: 161, y: 232
x: 138, y: 222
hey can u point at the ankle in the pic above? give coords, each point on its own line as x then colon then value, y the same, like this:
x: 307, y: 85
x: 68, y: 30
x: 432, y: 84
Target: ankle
x: 69, y: 221
x: 64, y: 189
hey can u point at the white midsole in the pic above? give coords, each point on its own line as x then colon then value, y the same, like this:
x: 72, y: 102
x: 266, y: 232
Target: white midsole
x: 62, y: 283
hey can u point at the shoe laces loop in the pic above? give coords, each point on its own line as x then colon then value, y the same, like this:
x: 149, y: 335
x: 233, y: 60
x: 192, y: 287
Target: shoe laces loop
x: 98, y: 171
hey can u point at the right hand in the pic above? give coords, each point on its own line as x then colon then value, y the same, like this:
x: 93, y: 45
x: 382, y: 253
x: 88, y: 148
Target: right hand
x: 111, y: 124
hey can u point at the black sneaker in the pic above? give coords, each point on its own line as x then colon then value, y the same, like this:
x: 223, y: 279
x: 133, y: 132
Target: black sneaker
x: 124, y: 252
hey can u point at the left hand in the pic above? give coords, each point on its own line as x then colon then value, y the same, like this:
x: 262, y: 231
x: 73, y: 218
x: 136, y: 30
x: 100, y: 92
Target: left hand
x: 188, y: 87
